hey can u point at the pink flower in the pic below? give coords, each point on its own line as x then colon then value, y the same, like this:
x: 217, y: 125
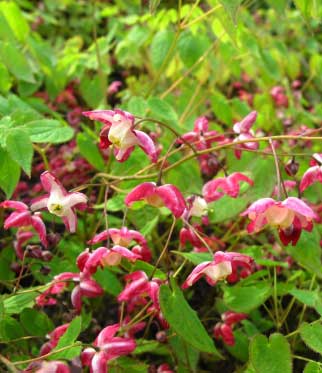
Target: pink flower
x: 187, y: 234
x: 22, y: 217
x: 224, y: 266
x: 119, y: 130
x: 59, y: 202
x: 47, y: 367
x: 123, y: 237
x: 313, y: 174
x: 224, y: 330
x: 217, y: 188
x: 288, y: 184
x: 114, y: 87
x: 279, y: 96
x: 290, y: 216
x: 202, y: 139
x: 54, y: 337
x: 158, y: 196
x: 107, y: 348
x: 243, y: 129
x: 196, y: 206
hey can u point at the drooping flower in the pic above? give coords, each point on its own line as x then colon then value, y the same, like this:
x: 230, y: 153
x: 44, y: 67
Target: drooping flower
x: 54, y: 337
x: 224, y: 329
x: 279, y: 97
x: 107, y: 348
x: 196, y: 206
x: 225, y: 265
x: 217, y: 188
x: 244, y: 131
x: 290, y: 217
x: 313, y: 174
x: 47, y: 367
x: 22, y: 217
x: 201, y: 138
x: 123, y: 237
x: 158, y: 196
x: 119, y: 130
x: 59, y: 202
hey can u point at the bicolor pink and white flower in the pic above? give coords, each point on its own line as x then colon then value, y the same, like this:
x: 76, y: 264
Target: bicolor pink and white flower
x: 59, y: 202
x: 196, y: 206
x: 22, y: 217
x: 158, y: 196
x: 244, y: 131
x: 230, y: 185
x: 289, y: 216
x: 201, y: 138
x: 313, y: 174
x: 107, y: 347
x: 42, y: 366
x: 124, y: 237
x: 224, y: 329
x: 119, y: 130
x: 225, y: 265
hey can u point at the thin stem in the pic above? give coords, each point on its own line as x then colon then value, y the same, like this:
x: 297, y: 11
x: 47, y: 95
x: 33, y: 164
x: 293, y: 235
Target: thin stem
x: 278, y: 171
x: 165, y: 247
x: 8, y: 364
x: 20, y: 273
x: 200, y: 18
x: 42, y: 153
x: 163, y: 162
x: 276, y: 300
x: 200, y: 237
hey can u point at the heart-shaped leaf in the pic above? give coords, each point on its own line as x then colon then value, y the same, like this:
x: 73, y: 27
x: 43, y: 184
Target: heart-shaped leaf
x: 271, y: 355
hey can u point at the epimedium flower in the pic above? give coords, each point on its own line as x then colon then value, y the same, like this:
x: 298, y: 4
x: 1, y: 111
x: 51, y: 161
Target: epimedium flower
x: 289, y: 216
x: 123, y: 237
x: 119, y: 130
x: 53, y: 337
x: 107, y: 347
x: 313, y: 174
x: 225, y: 265
x: 22, y: 217
x: 58, y: 201
x: 244, y: 131
x: 217, y: 188
x: 42, y: 366
x: 158, y: 196
x: 224, y: 329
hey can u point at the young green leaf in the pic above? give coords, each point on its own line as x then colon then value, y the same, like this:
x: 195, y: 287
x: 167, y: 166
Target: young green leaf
x: 9, y: 173
x: 271, y: 355
x: 20, y: 148
x: 184, y: 320
x: 312, y: 336
x: 48, y: 130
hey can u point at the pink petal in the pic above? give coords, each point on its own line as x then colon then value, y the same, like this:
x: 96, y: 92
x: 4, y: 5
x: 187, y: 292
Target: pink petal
x: 39, y: 203
x: 259, y: 206
x: 76, y: 298
x: 299, y: 207
x: 210, y: 189
x: 104, y: 116
x: 140, y: 192
x: 201, y: 124
x: 311, y: 176
x: 147, y: 145
x: 106, y: 335
x: 172, y: 199
x: 196, y: 274
x: 99, y: 238
x: 122, y: 155
x: 87, y: 356
x: 18, y: 219
x: 40, y: 228
x: 119, y: 346
x: 70, y: 220
x: 99, y: 362
x: 95, y: 259
x: 50, y: 182
x: 74, y: 199
x: 245, y: 124
x: 19, y: 206
x: 82, y: 259
x: 125, y: 253
x: 90, y: 288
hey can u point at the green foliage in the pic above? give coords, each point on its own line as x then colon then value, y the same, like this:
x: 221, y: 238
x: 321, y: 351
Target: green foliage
x: 184, y: 320
x: 36, y: 323
x: 271, y: 355
x: 312, y: 336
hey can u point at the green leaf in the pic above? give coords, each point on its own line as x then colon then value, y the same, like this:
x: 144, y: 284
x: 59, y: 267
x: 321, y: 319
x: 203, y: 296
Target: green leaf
x: 312, y: 367
x: 311, y: 298
x: 162, y: 110
x: 37, y: 323
x: 270, y: 356
x: 192, y: 47
x: 9, y: 173
x: 17, y: 303
x: 20, y: 68
x: 160, y: 47
x: 10, y: 329
x: 240, y: 349
x: 137, y: 106
x: 15, y: 19
x: 92, y: 90
x: 48, y: 130
x: 89, y: 150
x: 20, y: 148
x: 184, y: 320
x: 231, y: 7
x: 307, y: 251
x: 109, y: 282
x: 221, y: 108
x: 241, y: 298
x: 5, y: 80
x: 68, y: 339
x: 308, y: 8
x: 312, y: 336
x: 195, y: 258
